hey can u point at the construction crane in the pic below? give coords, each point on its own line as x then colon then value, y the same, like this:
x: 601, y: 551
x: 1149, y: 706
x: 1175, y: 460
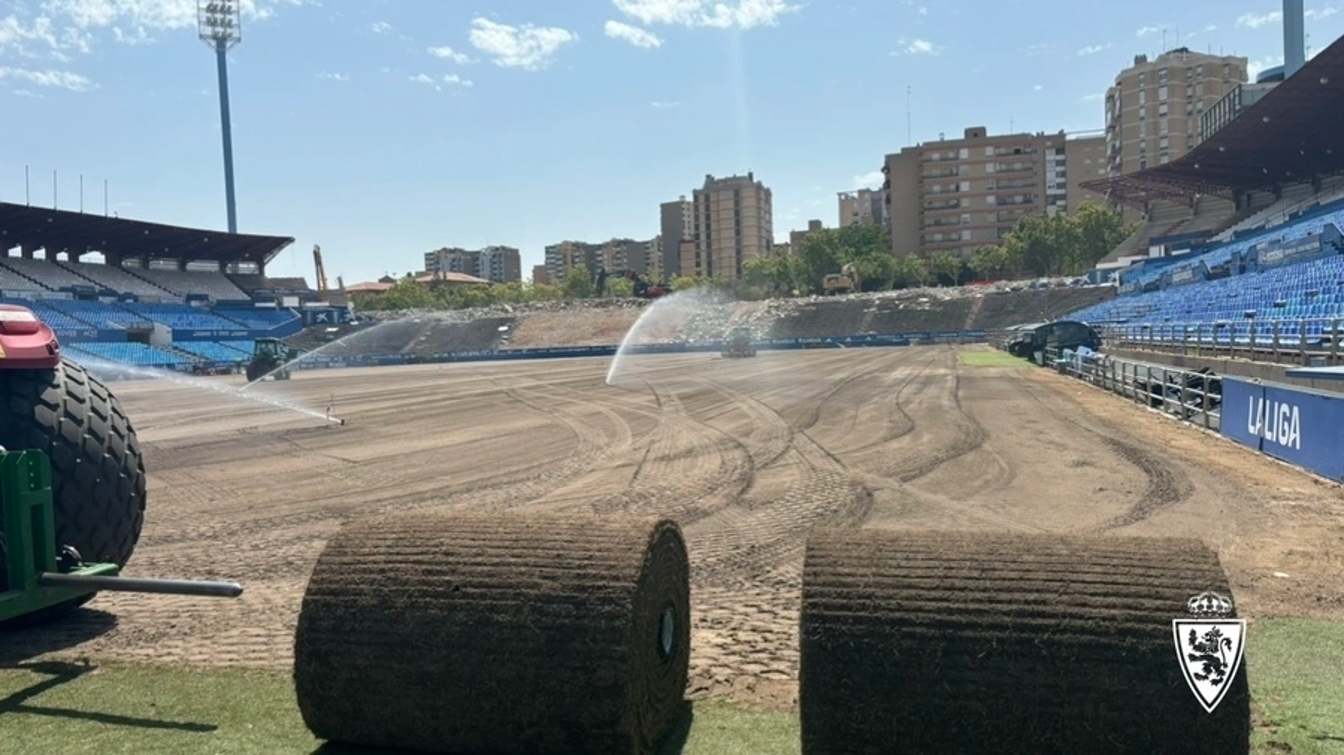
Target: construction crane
x: 321, y: 270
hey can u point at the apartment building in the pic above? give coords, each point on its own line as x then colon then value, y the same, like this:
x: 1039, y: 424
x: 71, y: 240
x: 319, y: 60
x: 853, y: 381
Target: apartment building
x: 615, y: 256
x: 863, y: 207
x: 499, y: 264
x: 539, y: 275
x: 796, y: 238
x: 1154, y: 110
x: 1084, y: 160
x: 676, y: 224
x: 734, y: 222
x: 956, y: 195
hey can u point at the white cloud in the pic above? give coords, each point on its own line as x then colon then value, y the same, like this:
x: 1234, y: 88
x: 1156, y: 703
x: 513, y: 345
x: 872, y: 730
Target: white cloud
x: 26, y: 93
x: 1093, y: 49
x: 380, y: 27
x: 1325, y: 12
x: 447, y: 53
x: 632, y: 34
x: 1211, y: 27
x: 871, y: 180
x: 917, y: 46
x: 720, y: 14
x: 1040, y: 48
x: 329, y: 76
x: 529, y: 47
x: 448, y: 79
x: 1144, y: 31
x: 48, y: 78
x: 1092, y: 97
x: 1038, y: 88
x: 664, y: 104
x: 1257, y: 20
x: 922, y: 10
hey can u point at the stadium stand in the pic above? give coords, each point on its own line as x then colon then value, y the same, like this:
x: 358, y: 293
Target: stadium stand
x: 212, y: 351
x: 48, y: 275
x: 127, y: 352
x: 244, y: 347
x: 57, y: 319
x: 259, y: 319
x: 114, y: 278
x: 13, y: 283
x: 99, y: 315
x: 183, y: 283
x: 184, y: 317
x: 252, y: 283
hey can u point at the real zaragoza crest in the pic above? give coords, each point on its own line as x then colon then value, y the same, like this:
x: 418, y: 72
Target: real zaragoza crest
x: 1209, y: 647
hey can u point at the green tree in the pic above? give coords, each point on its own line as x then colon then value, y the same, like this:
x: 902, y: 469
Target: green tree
x: 763, y: 277
x: 619, y: 287
x: 990, y: 262
x: 828, y: 250
x: 407, y: 294
x: 577, y: 283
x: 945, y: 268
x: 685, y: 283
x: 909, y: 271
x: 1099, y: 231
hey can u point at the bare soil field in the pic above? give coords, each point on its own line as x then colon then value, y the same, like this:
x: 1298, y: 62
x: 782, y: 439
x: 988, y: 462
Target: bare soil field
x: 748, y: 455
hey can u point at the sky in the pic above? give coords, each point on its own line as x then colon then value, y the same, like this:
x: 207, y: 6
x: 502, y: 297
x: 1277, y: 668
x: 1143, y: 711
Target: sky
x: 382, y: 129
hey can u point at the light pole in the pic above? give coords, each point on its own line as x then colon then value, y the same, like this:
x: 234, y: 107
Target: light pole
x: 219, y: 25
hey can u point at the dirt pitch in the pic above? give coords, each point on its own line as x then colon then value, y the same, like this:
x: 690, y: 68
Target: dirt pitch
x: 747, y: 455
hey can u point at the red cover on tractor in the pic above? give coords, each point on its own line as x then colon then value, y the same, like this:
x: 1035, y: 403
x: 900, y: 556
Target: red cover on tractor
x: 26, y: 343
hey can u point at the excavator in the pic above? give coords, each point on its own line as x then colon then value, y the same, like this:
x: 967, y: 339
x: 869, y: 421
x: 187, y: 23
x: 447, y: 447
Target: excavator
x: 845, y: 282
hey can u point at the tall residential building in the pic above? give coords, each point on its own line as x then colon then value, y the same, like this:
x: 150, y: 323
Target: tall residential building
x: 676, y: 224
x: 500, y: 264
x: 539, y: 275
x: 733, y: 223
x: 1084, y: 160
x: 863, y: 207
x: 614, y: 256
x: 1154, y: 109
x: 956, y: 195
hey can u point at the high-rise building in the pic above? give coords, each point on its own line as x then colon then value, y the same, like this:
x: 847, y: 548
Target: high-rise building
x: 1084, y: 160
x: 614, y: 256
x: 1154, y: 109
x: 956, y: 195
x: 676, y: 224
x: 500, y: 264
x: 451, y: 259
x: 539, y: 275
x: 733, y: 223
x: 863, y: 207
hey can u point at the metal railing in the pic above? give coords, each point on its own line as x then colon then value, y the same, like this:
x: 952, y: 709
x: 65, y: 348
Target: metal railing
x: 1194, y: 397
x: 1309, y: 340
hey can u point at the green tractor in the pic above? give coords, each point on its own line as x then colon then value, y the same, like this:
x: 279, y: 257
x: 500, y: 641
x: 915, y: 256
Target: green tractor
x: 269, y: 357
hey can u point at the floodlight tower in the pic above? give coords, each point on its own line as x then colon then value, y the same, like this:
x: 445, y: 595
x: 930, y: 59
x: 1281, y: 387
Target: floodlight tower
x: 219, y: 25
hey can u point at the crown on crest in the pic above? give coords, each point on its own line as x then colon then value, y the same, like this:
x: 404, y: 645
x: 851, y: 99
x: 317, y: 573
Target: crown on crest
x: 1209, y: 605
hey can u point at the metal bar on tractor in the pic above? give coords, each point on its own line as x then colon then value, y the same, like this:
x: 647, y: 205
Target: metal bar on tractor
x: 133, y: 584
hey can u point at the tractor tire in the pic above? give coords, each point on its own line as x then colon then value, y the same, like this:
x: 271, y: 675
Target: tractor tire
x: 252, y: 372
x: 98, y: 473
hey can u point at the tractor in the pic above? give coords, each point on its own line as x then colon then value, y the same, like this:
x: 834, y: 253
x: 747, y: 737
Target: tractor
x: 269, y: 359
x: 738, y: 344
x: 72, y: 481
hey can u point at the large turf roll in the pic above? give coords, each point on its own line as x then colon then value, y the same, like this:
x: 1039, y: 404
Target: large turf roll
x: 955, y: 642
x: 465, y: 633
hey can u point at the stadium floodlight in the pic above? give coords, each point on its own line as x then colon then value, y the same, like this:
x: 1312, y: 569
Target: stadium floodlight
x: 219, y: 23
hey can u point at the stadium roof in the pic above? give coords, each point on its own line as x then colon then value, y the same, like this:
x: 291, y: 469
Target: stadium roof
x: 66, y: 231
x: 1289, y: 135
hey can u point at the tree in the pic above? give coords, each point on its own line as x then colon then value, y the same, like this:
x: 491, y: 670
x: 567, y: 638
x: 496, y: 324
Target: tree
x: 620, y: 287
x: 826, y: 251
x: 577, y: 283
x: 685, y: 283
x: 406, y: 294
x: 990, y: 262
x: 1099, y: 230
x: 909, y: 271
x: 763, y: 277
x: 945, y: 268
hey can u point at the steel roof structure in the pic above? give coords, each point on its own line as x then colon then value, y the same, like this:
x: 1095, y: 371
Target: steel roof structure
x: 78, y: 232
x: 1291, y: 135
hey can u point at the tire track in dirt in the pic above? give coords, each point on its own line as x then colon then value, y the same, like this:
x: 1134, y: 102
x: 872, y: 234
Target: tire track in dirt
x: 1165, y: 485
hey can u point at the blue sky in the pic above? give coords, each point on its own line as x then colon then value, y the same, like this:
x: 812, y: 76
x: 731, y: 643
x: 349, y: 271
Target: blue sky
x: 384, y: 128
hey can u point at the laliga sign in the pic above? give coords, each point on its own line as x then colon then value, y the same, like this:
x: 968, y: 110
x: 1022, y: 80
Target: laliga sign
x: 1279, y: 422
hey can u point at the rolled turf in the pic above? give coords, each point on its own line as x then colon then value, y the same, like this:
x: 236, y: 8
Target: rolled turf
x: 468, y: 633
x: 957, y: 642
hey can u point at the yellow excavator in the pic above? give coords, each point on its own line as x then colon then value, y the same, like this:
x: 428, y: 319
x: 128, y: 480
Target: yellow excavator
x: 845, y: 282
